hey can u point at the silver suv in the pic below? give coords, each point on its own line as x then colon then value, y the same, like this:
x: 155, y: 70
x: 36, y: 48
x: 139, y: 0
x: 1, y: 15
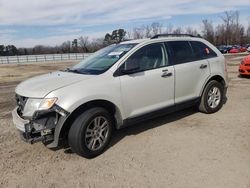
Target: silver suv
x: 117, y: 86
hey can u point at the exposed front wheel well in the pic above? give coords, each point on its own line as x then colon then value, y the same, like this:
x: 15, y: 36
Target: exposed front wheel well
x: 109, y: 106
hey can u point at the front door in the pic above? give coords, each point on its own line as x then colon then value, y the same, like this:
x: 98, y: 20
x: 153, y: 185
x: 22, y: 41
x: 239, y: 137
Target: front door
x: 152, y: 87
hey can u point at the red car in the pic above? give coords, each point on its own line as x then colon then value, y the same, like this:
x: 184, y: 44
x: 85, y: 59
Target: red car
x: 244, y: 68
x: 243, y: 49
x: 234, y: 50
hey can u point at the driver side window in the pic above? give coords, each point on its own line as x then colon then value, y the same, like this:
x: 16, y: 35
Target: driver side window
x: 149, y: 57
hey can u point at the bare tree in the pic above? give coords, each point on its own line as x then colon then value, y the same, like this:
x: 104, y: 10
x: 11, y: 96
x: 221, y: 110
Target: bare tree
x: 96, y: 44
x: 147, y: 30
x: 129, y: 35
x: 227, y: 19
x: 234, y: 31
x: 219, y: 36
x: 169, y: 29
x: 138, y: 33
x: 156, y: 28
x: 248, y: 33
x: 177, y: 30
x: 248, y: 30
x: 84, y: 43
x: 230, y: 21
x: 66, y: 47
x: 191, y: 31
x: 208, y: 30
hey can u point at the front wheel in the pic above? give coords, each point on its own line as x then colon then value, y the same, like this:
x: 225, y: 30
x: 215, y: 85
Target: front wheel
x: 90, y: 133
x: 212, y: 97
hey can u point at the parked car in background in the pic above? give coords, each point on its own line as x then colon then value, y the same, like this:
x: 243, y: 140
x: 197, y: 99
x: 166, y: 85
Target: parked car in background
x: 234, y: 50
x: 223, y: 49
x: 229, y: 47
x: 248, y: 49
x: 243, y: 49
x: 246, y: 45
x: 244, y: 68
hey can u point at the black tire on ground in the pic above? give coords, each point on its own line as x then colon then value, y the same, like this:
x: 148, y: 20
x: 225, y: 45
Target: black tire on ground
x: 204, y: 104
x: 77, y: 138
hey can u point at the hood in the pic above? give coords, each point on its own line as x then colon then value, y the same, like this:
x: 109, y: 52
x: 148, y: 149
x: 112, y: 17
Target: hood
x: 40, y: 86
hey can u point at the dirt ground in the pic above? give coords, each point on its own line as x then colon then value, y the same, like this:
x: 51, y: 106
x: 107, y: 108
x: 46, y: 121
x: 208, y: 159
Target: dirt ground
x: 186, y: 149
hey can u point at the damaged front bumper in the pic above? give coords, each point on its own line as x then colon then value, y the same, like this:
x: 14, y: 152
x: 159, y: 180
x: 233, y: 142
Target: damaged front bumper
x: 42, y: 126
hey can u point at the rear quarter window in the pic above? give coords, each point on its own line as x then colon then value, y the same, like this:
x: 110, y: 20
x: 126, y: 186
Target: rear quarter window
x: 202, y: 51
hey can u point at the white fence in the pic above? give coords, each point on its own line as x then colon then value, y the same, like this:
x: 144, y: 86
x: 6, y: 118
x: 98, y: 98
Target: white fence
x: 42, y: 58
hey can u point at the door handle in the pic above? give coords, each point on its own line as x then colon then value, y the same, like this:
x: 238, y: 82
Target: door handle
x: 166, y: 74
x: 203, y: 66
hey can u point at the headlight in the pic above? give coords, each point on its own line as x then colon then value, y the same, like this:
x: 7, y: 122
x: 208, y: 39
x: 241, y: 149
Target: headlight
x: 47, y: 103
x: 33, y: 105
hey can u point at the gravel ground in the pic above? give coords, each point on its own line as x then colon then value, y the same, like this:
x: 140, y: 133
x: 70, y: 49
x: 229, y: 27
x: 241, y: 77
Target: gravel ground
x: 183, y: 149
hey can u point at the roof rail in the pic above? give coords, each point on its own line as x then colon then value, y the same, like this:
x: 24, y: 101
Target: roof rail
x: 171, y: 35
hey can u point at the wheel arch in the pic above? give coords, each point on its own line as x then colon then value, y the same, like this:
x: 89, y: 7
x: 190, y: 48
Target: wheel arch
x: 109, y: 106
x: 218, y: 78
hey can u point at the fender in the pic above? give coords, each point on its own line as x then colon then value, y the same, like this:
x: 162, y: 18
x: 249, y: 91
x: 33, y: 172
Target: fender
x: 63, y: 119
x: 215, y: 76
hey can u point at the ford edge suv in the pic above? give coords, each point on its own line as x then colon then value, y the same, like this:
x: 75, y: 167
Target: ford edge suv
x: 118, y: 86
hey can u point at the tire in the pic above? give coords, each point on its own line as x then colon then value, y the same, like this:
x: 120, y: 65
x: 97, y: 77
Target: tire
x: 90, y: 133
x: 212, y: 97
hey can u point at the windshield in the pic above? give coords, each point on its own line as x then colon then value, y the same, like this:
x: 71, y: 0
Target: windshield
x: 101, y: 60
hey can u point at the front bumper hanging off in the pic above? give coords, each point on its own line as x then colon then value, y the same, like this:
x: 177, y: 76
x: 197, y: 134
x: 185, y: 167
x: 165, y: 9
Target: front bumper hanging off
x: 42, y: 127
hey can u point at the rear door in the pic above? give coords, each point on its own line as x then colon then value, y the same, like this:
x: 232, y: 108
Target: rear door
x: 191, y: 69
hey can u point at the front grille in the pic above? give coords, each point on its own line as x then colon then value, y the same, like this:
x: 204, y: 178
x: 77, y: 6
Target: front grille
x: 21, y: 101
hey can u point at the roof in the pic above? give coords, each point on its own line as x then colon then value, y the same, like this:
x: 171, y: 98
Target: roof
x: 162, y: 37
x: 135, y: 41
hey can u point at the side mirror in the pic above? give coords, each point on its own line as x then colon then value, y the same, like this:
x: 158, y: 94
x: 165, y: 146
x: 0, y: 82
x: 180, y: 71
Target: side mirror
x: 130, y: 67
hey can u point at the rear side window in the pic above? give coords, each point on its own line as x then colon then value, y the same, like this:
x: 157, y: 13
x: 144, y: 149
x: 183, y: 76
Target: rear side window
x: 181, y: 51
x: 202, y: 51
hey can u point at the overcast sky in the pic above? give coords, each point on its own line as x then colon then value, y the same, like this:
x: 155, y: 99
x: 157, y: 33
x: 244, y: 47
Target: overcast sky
x: 26, y: 23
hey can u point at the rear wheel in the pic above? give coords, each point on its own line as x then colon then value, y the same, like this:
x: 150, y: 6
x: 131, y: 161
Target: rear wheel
x: 212, y: 97
x: 90, y: 133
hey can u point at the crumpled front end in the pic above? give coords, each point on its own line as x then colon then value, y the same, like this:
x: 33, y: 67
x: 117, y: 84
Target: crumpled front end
x: 41, y: 125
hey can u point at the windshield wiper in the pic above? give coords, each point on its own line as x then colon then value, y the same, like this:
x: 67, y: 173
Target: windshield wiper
x: 73, y: 70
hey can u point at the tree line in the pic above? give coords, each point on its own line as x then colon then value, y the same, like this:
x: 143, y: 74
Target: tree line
x: 229, y: 32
